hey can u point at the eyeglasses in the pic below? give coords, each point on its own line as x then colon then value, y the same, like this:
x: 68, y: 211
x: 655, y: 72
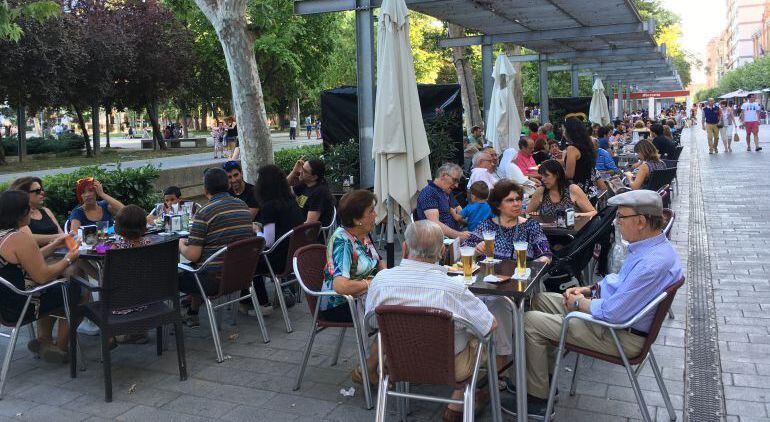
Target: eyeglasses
x: 620, y: 217
x: 38, y: 191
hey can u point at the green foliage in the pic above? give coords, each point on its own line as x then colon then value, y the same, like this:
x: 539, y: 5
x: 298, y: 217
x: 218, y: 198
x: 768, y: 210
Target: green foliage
x: 129, y: 186
x: 36, y: 145
x: 11, y: 13
x: 286, y: 158
x: 342, y: 161
x: 749, y: 77
x: 668, y: 31
x: 439, y: 131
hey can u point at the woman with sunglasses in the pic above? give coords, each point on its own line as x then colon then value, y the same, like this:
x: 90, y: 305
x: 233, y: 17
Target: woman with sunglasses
x: 42, y: 223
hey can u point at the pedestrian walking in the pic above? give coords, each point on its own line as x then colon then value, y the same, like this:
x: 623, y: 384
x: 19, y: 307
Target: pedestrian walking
x: 293, y: 128
x: 727, y: 120
x: 318, y: 129
x: 218, y: 134
x: 750, y: 116
x: 711, y: 117
x: 309, y: 125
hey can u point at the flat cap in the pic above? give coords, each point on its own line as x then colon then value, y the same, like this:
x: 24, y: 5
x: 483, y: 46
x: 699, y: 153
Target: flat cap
x: 643, y: 201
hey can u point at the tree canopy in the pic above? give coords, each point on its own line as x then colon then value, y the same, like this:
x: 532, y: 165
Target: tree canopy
x: 749, y: 77
x: 11, y: 12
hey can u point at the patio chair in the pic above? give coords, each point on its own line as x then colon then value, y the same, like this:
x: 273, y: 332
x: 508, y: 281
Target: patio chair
x: 326, y: 231
x: 419, y: 344
x: 660, y: 307
x: 240, y: 262
x: 677, y: 152
x: 26, y: 317
x: 665, y: 195
x: 302, y: 235
x: 660, y: 178
x: 670, y: 216
x: 143, y: 278
x: 672, y: 164
x: 309, y: 262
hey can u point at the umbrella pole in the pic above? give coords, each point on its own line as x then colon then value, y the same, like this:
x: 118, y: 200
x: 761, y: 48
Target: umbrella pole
x: 390, y: 250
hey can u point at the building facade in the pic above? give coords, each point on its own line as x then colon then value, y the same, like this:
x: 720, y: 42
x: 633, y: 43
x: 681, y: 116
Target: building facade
x: 744, y: 20
x: 761, y: 37
x: 718, y: 58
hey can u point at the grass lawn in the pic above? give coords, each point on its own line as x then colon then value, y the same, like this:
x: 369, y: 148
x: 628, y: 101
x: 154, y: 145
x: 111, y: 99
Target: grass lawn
x: 105, y: 156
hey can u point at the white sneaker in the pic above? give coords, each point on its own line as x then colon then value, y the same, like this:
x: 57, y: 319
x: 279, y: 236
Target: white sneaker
x: 88, y: 328
x: 266, y: 310
x: 245, y: 309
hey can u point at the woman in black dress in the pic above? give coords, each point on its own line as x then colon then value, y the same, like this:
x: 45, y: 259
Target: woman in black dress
x: 580, y: 157
x: 42, y: 223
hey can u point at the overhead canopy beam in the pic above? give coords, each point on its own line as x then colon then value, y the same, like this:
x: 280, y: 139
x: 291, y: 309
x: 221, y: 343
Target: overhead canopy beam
x: 312, y: 7
x: 552, y: 34
x: 607, y: 66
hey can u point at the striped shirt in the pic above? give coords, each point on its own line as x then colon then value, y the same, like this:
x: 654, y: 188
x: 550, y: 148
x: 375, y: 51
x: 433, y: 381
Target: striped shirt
x: 415, y: 283
x: 222, y: 221
x: 651, y: 266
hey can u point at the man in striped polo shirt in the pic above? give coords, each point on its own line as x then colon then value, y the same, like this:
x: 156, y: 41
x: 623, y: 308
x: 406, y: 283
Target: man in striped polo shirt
x: 224, y: 220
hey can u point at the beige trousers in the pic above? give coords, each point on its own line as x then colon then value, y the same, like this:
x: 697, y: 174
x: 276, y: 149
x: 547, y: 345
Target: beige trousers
x: 543, y: 324
x: 712, y: 131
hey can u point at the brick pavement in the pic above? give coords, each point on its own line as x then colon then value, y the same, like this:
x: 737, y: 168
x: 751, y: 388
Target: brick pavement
x: 256, y: 382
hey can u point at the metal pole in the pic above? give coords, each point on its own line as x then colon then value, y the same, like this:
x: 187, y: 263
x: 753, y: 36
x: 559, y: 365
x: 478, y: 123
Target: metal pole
x: 543, y: 68
x: 486, y: 74
x: 365, y: 72
x: 390, y: 248
x: 575, y: 73
x: 621, y: 109
x: 611, y: 95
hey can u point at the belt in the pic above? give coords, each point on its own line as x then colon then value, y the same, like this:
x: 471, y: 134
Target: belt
x: 637, y: 332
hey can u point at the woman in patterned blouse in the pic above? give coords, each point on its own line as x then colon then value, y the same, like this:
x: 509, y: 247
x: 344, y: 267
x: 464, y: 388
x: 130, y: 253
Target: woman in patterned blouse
x: 509, y: 226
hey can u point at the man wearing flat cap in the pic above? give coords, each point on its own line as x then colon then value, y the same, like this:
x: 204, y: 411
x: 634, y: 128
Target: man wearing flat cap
x: 650, y: 268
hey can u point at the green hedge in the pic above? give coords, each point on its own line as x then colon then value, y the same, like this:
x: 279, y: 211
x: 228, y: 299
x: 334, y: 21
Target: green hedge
x: 341, y: 160
x: 286, y: 158
x: 37, y: 145
x: 129, y: 186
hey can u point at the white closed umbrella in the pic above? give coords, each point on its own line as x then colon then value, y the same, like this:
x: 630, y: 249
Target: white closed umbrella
x: 400, y: 148
x: 599, y: 112
x: 503, y: 124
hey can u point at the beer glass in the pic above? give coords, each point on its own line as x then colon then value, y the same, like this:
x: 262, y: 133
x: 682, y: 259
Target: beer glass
x: 521, y: 257
x: 489, y: 245
x: 466, y: 255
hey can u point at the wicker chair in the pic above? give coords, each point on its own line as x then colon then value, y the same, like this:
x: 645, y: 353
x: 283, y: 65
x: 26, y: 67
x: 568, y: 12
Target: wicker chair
x: 240, y: 262
x: 302, y: 235
x: 26, y: 317
x: 419, y: 344
x: 660, y: 307
x: 143, y: 278
x: 309, y: 262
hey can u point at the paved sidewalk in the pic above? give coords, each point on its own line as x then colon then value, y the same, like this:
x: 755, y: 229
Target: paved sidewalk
x: 256, y: 382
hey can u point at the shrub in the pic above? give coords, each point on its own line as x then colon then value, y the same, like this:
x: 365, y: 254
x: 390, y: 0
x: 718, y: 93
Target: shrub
x: 37, y: 145
x: 286, y: 158
x: 129, y: 186
x: 342, y: 161
x: 440, y: 130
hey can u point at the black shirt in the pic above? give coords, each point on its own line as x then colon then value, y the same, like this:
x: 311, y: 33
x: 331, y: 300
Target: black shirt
x: 541, y: 156
x: 315, y: 198
x: 247, y: 195
x: 664, y: 145
x: 285, y: 215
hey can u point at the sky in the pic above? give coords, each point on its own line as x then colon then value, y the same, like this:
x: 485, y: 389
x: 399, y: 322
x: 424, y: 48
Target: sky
x: 701, y: 21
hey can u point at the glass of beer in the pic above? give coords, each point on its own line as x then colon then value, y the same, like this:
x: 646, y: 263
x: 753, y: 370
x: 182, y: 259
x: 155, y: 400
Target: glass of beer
x: 521, y: 257
x: 489, y: 245
x: 466, y: 255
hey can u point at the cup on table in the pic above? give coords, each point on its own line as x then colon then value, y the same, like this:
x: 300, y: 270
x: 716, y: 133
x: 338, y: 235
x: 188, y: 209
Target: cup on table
x: 101, y: 229
x: 175, y: 208
x: 521, y: 257
x: 489, y: 245
x: 466, y: 255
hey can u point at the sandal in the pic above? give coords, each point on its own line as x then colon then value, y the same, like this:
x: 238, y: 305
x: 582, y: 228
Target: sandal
x: 53, y: 354
x: 480, y: 402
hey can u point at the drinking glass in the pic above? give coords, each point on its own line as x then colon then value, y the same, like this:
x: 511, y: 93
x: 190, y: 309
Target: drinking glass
x: 466, y: 255
x: 187, y: 208
x: 175, y: 208
x: 521, y: 257
x: 489, y: 245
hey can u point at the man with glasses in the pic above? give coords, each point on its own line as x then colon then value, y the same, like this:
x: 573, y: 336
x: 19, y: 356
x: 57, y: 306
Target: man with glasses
x: 239, y: 188
x: 483, y: 170
x: 434, y: 202
x: 308, y: 182
x: 652, y: 265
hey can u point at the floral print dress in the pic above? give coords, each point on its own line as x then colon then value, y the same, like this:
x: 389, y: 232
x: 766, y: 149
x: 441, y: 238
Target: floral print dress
x: 346, y: 257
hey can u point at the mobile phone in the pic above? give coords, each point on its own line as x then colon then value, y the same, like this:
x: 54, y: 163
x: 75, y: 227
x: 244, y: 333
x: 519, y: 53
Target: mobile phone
x: 70, y: 241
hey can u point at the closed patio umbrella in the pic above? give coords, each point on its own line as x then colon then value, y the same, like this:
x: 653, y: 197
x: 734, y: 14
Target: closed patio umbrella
x: 503, y: 124
x: 599, y: 112
x: 400, y: 148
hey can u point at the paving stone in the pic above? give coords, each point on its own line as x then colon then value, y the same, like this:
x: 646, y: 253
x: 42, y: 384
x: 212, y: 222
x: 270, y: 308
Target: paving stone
x: 152, y: 414
x: 199, y: 406
x: 48, y: 413
x: 300, y: 405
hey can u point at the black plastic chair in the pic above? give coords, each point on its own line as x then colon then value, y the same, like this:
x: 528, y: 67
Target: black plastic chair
x: 677, y: 152
x: 143, y: 279
x: 660, y: 178
x: 572, y: 260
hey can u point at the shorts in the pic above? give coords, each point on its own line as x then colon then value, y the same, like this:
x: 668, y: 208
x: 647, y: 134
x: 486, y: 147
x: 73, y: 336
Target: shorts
x: 309, y: 128
x: 466, y: 360
x: 751, y: 127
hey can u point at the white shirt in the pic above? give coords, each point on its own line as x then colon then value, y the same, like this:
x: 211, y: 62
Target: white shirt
x: 508, y: 155
x: 293, y: 123
x: 483, y: 175
x: 750, y: 112
x: 415, y: 283
x: 515, y: 175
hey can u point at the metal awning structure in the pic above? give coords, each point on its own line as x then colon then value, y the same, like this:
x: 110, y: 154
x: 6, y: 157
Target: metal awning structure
x: 604, y: 37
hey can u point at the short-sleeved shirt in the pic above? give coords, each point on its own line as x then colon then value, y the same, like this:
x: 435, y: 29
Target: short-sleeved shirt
x: 80, y: 214
x: 247, y: 195
x: 475, y: 213
x: 222, y: 221
x: 604, y: 161
x: 433, y: 198
x: 529, y: 232
x: 285, y: 216
x: 315, y: 198
x: 479, y: 174
x: 750, y: 112
x: 604, y: 143
x: 346, y: 257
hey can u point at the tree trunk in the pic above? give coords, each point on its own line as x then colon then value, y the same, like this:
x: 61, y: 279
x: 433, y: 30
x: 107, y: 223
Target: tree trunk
x: 21, y: 122
x: 197, y: 119
x: 204, y: 118
x: 518, y: 92
x: 229, y: 20
x: 82, y: 124
x: 95, y: 126
x: 185, y: 128
x: 157, y: 134
x: 108, y: 120
x: 472, y: 116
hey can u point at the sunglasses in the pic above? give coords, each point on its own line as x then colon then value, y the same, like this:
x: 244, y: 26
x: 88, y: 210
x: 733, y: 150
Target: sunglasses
x: 231, y: 165
x: 38, y: 191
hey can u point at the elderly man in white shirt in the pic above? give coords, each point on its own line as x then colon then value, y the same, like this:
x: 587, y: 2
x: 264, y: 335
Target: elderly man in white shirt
x: 483, y: 169
x: 420, y: 281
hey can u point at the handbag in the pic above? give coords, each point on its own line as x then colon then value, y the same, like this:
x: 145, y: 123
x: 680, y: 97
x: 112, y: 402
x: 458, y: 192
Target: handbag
x: 736, y: 138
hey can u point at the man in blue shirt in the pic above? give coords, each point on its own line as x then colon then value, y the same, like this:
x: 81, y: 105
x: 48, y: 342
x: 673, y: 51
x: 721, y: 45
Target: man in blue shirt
x: 434, y: 202
x: 650, y: 268
x: 711, y: 118
x: 604, y: 161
